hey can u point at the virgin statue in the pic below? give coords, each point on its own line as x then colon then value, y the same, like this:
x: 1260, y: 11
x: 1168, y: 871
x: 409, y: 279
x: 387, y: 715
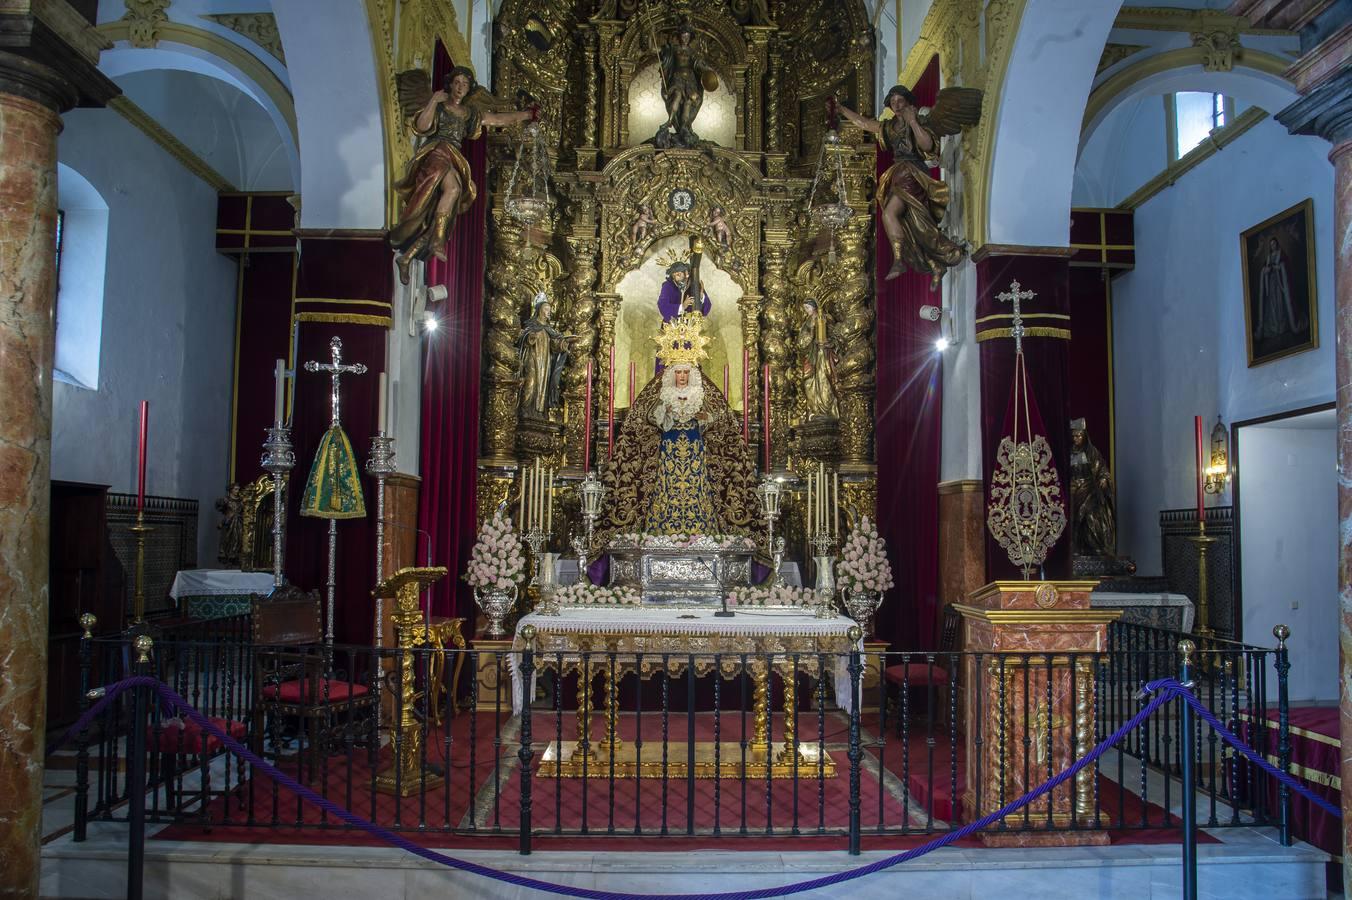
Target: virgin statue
x: 685, y: 77
x: 817, y: 365
x: 912, y: 202
x: 680, y: 464
x: 437, y: 185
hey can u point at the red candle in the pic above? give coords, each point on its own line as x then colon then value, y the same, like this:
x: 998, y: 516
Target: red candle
x: 725, y: 381
x: 632, y: 381
x: 766, y: 417
x: 1201, y: 506
x: 586, y: 424
x: 746, y: 396
x: 141, y: 456
x: 610, y: 423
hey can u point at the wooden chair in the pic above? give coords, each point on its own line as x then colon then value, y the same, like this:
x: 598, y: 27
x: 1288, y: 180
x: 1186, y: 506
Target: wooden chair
x: 294, y: 675
x: 928, y: 671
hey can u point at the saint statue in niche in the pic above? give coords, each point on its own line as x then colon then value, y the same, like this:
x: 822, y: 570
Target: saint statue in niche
x: 1092, y: 503
x: 686, y: 75
x: 677, y: 296
x: 543, y: 351
x: 817, y: 362
x: 437, y: 185
x: 912, y: 202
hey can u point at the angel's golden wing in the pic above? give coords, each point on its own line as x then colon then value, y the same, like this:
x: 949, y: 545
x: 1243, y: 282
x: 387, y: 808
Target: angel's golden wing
x: 954, y: 109
x: 414, y: 87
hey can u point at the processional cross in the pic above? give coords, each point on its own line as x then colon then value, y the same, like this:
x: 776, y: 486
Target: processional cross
x: 337, y: 369
x: 1015, y: 295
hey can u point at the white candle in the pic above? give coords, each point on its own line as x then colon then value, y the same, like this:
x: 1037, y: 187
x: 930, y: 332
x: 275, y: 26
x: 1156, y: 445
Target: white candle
x: 809, y: 504
x: 821, y: 496
x: 279, y: 391
x: 539, y: 491
x: 835, y: 483
x: 549, y: 504
x: 380, y: 405
x: 521, y: 511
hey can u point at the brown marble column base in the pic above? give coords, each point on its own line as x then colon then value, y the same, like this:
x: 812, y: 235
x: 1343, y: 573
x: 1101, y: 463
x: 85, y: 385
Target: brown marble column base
x: 962, y: 538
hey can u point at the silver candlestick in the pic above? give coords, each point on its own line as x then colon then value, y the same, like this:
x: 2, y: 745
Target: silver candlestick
x: 770, y: 493
x: 379, y: 465
x: 590, y: 494
x: 279, y: 458
x: 535, y: 539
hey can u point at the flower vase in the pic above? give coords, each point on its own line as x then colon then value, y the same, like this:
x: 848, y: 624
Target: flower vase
x: 861, y: 605
x: 826, y: 587
x: 549, y: 586
x: 496, y: 604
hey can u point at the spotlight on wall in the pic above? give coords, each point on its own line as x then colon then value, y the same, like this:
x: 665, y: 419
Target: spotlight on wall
x: 947, y: 333
x: 418, y: 312
x: 430, y: 323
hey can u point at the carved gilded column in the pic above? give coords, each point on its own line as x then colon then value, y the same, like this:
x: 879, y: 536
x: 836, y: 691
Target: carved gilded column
x: 758, y: 37
x: 502, y: 394
x: 746, y: 106
x: 773, y: 139
x: 775, y: 345
x: 854, y: 338
x: 624, y: 76
x: 608, y: 43
x: 608, y: 306
x: 581, y: 321
x: 750, y: 306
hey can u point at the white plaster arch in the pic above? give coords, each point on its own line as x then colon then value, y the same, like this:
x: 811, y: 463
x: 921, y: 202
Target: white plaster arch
x: 124, y: 59
x: 331, y: 57
x: 1037, y: 131
x: 1254, y: 85
x: 80, y: 281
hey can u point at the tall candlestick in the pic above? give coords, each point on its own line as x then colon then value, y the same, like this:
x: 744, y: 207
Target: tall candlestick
x: 765, y: 419
x: 586, y: 424
x: 610, y: 419
x: 821, y: 496
x: 549, y: 504
x: 835, y: 503
x: 278, y: 392
x: 141, y: 456
x: 633, y: 378
x: 539, y: 495
x: 746, y: 396
x: 380, y: 406
x: 1201, y: 505
x: 808, y: 504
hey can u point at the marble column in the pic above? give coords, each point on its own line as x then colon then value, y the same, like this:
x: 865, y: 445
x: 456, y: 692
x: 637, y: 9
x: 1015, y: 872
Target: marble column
x: 32, y: 96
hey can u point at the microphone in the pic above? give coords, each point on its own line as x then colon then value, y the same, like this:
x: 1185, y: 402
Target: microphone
x: 723, y: 613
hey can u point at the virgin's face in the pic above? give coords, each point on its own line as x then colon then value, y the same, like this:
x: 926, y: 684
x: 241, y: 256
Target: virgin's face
x: 459, y: 88
x: 681, y: 378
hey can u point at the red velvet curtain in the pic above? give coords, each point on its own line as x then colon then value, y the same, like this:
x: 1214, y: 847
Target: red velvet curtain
x: 450, y: 395
x: 909, y: 410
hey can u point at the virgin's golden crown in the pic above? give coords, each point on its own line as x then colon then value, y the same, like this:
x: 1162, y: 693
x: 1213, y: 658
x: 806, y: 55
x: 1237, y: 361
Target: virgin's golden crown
x: 682, y: 340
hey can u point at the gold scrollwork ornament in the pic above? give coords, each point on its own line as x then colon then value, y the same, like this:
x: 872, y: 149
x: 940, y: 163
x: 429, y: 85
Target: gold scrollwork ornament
x: 1026, y: 514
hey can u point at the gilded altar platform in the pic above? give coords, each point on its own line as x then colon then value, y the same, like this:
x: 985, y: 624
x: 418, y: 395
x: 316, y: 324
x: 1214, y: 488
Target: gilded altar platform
x: 724, y: 759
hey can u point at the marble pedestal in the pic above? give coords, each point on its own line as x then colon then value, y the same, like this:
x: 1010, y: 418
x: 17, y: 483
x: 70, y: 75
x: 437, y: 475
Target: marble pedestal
x: 1029, y: 702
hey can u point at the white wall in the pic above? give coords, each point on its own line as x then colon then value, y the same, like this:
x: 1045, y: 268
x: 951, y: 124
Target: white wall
x: 1124, y: 152
x: 1178, y: 321
x: 1289, y: 548
x: 168, y: 327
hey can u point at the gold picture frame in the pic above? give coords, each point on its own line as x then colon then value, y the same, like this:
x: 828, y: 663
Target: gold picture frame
x: 1281, y: 309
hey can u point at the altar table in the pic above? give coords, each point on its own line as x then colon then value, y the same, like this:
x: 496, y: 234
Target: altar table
x: 217, y: 593
x: 582, y: 639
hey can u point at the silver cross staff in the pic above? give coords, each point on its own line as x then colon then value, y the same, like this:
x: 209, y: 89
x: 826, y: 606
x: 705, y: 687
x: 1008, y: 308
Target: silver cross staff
x: 336, y: 370
x: 1015, y: 295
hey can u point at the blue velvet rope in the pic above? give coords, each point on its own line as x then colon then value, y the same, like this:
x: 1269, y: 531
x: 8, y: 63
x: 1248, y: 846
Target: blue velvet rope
x: 1164, y: 690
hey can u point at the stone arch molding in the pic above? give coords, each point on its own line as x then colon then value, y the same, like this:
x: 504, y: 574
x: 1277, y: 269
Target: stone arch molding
x: 1256, y: 79
x: 189, y: 49
x: 1036, y: 140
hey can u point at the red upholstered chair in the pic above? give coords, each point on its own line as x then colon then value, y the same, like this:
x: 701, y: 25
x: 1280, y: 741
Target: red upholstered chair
x: 295, y: 678
x: 182, y: 746
x: 928, y: 671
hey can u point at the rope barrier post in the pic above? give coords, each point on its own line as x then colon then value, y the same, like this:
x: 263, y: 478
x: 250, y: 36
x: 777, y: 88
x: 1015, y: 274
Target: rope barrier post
x: 525, y: 753
x: 1186, y: 750
x: 856, y: 667
x: 136, y: 774
x: 87, y: 622
x: 1282, y: 661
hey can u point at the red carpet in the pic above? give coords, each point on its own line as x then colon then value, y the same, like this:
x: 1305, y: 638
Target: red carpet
x: 442, y: 814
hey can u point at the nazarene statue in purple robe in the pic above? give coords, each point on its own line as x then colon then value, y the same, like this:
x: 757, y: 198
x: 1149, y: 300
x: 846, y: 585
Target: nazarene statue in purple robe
x: 678, y: 293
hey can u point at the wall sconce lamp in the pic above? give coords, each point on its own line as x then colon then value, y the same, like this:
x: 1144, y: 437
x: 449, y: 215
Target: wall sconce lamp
x: 1218, y: 470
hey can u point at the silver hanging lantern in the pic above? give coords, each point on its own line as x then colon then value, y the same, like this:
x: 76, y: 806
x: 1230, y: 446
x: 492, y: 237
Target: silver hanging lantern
x: 528, y: 199
x: 833, y: 212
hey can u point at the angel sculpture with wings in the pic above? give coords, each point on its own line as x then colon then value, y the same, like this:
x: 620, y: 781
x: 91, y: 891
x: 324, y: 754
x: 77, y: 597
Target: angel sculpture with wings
x: 438, y: 185
x: 912, y: 203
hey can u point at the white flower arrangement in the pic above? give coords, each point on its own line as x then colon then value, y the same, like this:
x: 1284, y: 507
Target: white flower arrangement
x: 863, y: 560
x: 584, y: 593
x: 777, y: 595
x: 496, y: 562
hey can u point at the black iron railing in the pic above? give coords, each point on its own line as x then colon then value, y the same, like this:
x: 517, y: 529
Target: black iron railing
x: 671, y: 744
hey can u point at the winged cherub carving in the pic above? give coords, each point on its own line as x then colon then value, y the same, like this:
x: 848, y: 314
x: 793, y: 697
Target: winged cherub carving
x: 912, y: 202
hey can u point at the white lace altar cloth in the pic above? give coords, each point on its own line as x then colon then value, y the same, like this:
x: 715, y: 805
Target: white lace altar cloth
x: 681, y: 633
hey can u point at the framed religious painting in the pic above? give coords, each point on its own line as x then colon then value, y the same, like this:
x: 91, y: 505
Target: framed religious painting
x: 1281, y: 312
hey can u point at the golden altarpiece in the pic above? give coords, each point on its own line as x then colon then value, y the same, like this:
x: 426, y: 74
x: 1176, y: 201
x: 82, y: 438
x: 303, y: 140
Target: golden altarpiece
x: 625, y: 208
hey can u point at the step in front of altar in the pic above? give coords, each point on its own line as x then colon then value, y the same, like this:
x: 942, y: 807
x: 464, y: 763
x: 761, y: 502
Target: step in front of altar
x: 723, y: 759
